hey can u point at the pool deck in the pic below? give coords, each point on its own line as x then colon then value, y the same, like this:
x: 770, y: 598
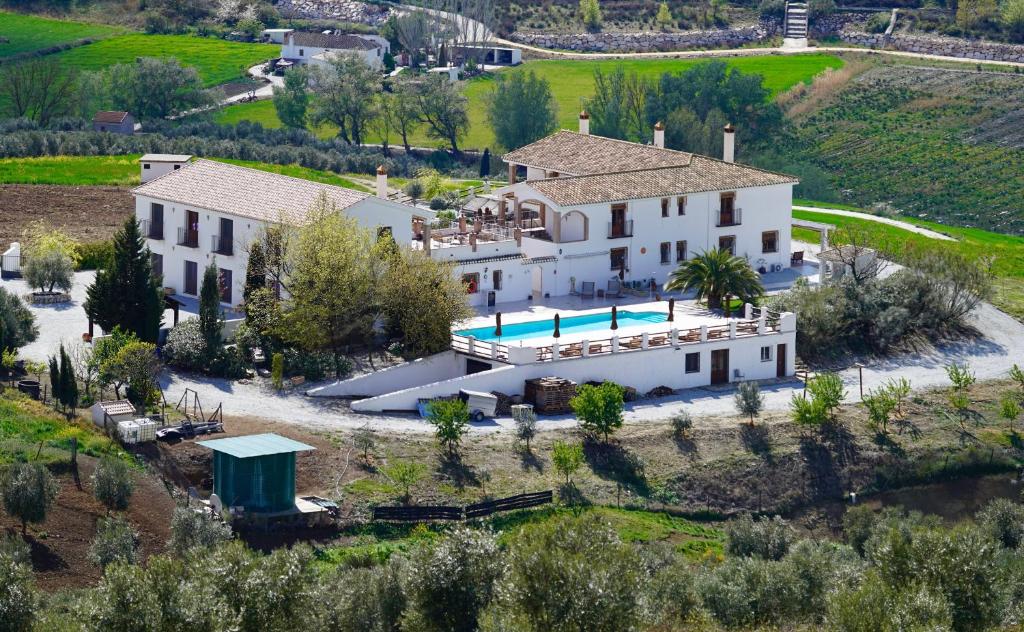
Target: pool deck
x: 687, y: 316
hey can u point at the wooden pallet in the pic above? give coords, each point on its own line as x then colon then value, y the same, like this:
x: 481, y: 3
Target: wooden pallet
x: 549, y: 395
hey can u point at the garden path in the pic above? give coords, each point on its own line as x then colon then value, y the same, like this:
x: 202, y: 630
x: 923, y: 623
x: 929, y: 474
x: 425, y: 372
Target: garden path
x: 914, y: 228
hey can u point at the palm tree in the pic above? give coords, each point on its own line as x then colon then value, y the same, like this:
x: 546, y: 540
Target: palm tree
x: 717, y: 275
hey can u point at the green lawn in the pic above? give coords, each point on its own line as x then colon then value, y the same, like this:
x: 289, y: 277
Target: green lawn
x: 572, y: 81
x: 28, y: 429
x: 217, y: 61
x: 124, y: 171
x: 24, y: 33
x: 71, y: 170
x: 1007, y: 250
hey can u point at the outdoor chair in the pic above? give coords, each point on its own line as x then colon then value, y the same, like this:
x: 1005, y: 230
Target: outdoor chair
x: 658, y: 341
x: 572, y: 351
x: 597, y: 347
x: 797, y: 259
x: 632, y: 343
x: 587, y: 291
x: 614, y: 289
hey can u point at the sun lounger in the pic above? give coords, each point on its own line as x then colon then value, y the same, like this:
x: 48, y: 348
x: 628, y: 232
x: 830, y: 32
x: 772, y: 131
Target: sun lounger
x: 614, y: 289
x: 587, y: 291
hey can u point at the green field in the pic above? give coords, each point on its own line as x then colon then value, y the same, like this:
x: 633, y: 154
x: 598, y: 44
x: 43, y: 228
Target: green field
x: 1007, y: 250
x: 71, y: 170
x: 31, y: 431
x: 571, y: 82
x: 25, y: 33
x: 217, y: 61
x: 124, y: 171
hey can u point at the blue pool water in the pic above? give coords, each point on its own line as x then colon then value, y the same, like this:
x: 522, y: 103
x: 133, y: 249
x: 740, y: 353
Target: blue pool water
x: 570, y: 325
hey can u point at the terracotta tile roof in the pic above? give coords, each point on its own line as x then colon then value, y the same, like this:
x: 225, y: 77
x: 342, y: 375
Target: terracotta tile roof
x: 109, y: 117
x: 582, y: 154
x: 245, y: 192
x: 701, y: 174
x: 331, y: 40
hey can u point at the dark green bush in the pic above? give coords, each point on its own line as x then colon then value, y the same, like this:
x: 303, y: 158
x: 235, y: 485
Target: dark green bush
x: 94, y: 254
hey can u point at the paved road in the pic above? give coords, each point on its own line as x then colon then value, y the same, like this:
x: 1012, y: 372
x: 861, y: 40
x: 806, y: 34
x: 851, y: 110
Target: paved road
x: 878, y: 218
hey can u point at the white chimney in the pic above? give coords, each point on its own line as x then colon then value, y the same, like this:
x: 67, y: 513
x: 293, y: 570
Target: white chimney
x: 382, y: 182
x: 659, y: 135
x: 729, y: 143
x: 584, y: 122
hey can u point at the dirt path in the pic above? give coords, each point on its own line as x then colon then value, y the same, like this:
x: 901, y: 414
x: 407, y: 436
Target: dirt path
x: 877, y: 218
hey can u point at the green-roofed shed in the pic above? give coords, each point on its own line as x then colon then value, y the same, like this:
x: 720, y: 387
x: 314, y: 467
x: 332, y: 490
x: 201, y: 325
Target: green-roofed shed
x: 256, y: 472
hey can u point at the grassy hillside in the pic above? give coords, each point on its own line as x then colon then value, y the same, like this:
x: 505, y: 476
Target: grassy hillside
x: 1007, y: 250
x: 572, y: 82
x: 217, y: 61
x: 936, y: 144
x: 27, y: 428
x: 25, y: 33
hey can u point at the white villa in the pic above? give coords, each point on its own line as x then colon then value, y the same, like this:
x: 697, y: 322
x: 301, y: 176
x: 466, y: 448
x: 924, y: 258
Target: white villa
x: 300, y: 47
x: 583, y: 217
x: 202, y: 211
x: 583, y: 209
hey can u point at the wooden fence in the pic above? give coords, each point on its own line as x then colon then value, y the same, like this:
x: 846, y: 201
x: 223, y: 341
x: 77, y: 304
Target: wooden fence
x: 478, y: 510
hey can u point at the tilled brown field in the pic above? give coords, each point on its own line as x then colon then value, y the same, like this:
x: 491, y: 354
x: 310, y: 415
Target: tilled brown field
x: 89, y: 214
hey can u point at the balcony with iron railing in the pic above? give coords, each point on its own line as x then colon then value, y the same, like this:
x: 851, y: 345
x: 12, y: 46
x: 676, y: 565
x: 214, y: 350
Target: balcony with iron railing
x: 151, y: 229
x: 730, y: 218
x: 222, y: 245
x: 188, y: 238
x: 617, y: 230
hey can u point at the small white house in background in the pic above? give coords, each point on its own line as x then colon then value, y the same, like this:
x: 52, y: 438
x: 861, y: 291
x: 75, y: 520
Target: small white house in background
x: 208, y: 211
x: 302, y: 47
x: 276, y: 36
x: 156, y: 165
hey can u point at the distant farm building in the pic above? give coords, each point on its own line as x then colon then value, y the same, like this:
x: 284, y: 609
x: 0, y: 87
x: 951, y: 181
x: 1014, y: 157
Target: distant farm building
x: 114, y: 122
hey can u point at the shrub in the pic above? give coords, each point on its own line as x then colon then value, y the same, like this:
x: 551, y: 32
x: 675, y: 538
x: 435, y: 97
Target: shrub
x: 526, y: 426
x: 567, y: 458
x: 772, y: 9
x: 682, y: 424
x: 112, y: 483
x: 766, y: 538
x: 590, y: 14
x: 1012, y: 17
x: 405, y: 474
x: 414, y: 189
x: 449, y: 583
x: 566, y: 575
x: 186, y: 346
x: 599, y: 408
x: 1003, y: 520
x: 437, y: 203
x: 28, y: 491
x: 18, y: 601
x: 878, y: 22
x: 451, y: 421
x: 17, y: 324
x: 115, y: 541
x: 94, y: 255
x: 277, y: 370
x: 191, y: 530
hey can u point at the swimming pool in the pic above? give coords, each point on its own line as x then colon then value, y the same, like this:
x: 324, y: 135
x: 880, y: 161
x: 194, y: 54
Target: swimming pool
x: 571, y: 325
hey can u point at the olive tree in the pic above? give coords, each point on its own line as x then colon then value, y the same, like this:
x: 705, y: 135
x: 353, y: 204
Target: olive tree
x: 28, y: 491
x: 112, y: 483
x: 192, y: 530
x: 749, y: 400
x: 115, y: 541
x: 18, y: 605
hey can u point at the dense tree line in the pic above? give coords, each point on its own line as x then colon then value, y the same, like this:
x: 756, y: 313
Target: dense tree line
x: 892, y: 571
x: 244, y: 141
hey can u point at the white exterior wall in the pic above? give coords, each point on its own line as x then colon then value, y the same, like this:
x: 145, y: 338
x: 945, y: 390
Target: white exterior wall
x: 640, y: 369
x: 441, y: 366
x: 370, y: 212
x: 374, y: 57
x: 153, y: 170
x: 762, y: 209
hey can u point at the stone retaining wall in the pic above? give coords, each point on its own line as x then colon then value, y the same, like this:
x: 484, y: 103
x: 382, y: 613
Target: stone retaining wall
x: 648, y: 40
x: 347, y: 10
x: 933, y: 45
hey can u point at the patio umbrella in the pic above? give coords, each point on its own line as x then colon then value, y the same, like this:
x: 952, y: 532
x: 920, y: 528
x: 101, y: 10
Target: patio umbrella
x: 497, y: 328
x: 557, y: 333
x: 615, y: 318
x: 671, y: 309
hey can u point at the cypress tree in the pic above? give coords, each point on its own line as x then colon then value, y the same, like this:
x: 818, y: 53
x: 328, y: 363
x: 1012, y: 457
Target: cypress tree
x: 485, y: 163
x: 55, y: 381
x: 68, y: 382
x: 209, y: 309
x: 125, y: 292
x: 255, y: 271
